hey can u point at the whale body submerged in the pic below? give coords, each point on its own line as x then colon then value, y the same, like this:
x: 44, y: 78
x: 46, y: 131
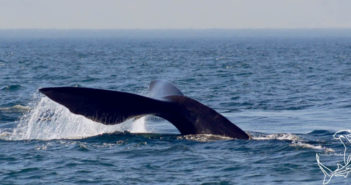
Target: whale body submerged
x: 113, y: 107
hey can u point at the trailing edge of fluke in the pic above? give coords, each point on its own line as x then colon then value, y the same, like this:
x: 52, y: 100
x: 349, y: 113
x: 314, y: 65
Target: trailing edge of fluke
x: 113, y: 107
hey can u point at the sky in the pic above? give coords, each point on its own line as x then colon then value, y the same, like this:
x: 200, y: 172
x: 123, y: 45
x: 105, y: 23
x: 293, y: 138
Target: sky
x: 174, y: 14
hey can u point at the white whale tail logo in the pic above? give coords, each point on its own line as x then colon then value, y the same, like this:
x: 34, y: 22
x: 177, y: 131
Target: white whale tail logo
x: 343, y: 168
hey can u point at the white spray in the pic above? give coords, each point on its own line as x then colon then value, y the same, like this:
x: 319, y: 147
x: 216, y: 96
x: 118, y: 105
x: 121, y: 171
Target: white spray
x: 49, y: 120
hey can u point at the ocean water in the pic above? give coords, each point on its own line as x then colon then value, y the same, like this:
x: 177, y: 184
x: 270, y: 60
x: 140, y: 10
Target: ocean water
x: 290, y: 93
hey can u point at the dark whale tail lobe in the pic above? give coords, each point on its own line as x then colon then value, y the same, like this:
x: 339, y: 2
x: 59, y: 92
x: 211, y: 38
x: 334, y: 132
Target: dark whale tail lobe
x: 104, y: 106
x: 113, y: 107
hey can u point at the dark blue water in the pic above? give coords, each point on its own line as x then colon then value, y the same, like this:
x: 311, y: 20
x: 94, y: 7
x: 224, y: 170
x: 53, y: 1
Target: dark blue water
x: 291, y: 94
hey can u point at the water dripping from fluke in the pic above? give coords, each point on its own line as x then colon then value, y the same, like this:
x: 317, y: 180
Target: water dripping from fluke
x: 47, y: 120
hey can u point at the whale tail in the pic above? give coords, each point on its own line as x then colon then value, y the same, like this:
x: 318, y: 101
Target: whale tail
x: 113, y: 107
x: 104, y: 106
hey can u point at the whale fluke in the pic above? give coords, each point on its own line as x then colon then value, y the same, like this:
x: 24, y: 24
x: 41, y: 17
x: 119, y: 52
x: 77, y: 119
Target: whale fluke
x: 104, y: 106
x: 159, y: 89
x: 112, y: 107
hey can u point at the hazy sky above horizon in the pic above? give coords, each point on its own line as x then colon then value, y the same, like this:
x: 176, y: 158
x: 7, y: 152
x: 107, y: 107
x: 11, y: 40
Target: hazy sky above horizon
x: 174, y: 14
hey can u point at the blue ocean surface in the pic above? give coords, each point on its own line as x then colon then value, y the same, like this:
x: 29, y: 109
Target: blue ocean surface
x: 291, y: 93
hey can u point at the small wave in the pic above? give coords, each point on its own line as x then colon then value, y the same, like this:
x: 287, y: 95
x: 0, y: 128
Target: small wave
x: 284, y: 136
x: 310, y: 146
x: 321, y: 132
x: 4, y: 134
x: 12, y: 87
x: 295, y: 141
x: 203, y: 137
x: 17, y: 108
x: 2, y: 62
x: 42, y: 147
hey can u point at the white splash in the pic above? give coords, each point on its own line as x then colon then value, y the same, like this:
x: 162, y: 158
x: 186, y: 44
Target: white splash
x: 49, y: 120
x: 203, y: 137
x: 295, y: 141
x: 138, y: 125
x: 343, y: 168
x: 287, y: 136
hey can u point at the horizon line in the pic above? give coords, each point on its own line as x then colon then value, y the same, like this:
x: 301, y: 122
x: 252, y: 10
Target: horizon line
x: 175, y: 29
